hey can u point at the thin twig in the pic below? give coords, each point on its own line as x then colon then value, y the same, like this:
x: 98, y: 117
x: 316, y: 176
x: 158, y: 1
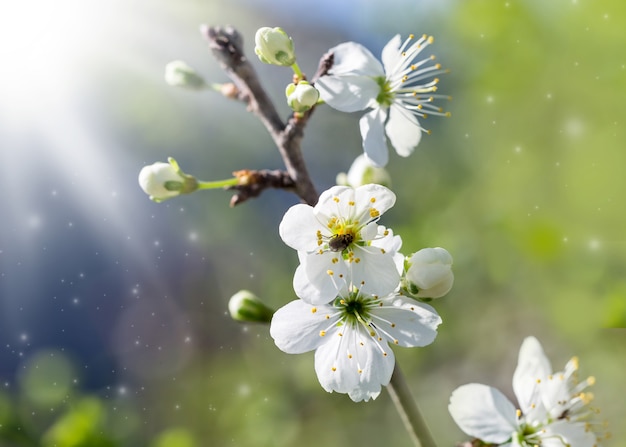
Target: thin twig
x: 252, y: 183
x: 226, y: 45
x: 408, y: 410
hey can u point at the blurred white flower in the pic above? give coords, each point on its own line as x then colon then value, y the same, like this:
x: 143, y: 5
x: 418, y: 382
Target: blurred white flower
x: 179, y: 74
x: 362, y: 172
x: 340, y: 236
x: 398, y: 91
x: 554, y: 408
x: 351, y: 337
x: 429, y: 274
x: 274, y: 46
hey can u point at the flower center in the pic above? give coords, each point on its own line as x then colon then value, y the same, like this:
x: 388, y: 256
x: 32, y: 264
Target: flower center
x: 344, y: 234
x: 355, y: 308
x: 386, y: 95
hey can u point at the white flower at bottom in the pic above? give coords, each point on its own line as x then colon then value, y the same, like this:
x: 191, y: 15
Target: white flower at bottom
x: 553, y: 412
x: 351, y: 337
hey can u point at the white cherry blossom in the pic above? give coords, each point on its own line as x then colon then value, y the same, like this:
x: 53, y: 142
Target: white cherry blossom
x: 351, y: 337
x: 553, y: 407
x: 362, y: 172
x: 340, y: 237
x: 398, y: 92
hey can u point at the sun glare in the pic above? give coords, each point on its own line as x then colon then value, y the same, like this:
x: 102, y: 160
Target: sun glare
x: 42, y: 44
x: 51, y: 52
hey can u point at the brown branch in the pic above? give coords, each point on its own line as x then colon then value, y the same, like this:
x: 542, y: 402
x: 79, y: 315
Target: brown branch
x: 226, y: 45
x: 326, y: 63
x: 295, y: 126
x: 253, y: 183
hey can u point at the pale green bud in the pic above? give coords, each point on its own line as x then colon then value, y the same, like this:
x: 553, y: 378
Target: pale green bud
x: 246, y: 306
x: 429, y: 273
x: 179, y: 74
x: 362, y: 172
x: 302, y: 96
x: 274, y: 46
x: 162, y: 181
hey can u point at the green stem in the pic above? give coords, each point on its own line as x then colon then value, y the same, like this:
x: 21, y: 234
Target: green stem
x: 407, y: 408
x: 218, y: 183
x: 296, y: 69
x: 214, y: 86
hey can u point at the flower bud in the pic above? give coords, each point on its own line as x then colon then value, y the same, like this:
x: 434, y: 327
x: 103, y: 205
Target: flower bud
x: 163, y: 181
x: 301, y: 97
x: 429, y: 273
x: 246, y: 306
x: 362, y: 172
x: 179, y: 74
x: 274, y: 46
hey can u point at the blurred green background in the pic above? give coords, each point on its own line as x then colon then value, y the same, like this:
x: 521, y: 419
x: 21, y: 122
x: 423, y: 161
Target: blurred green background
x: 114, y: 308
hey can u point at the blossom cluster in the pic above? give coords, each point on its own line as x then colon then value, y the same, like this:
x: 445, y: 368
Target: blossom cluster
x: 554, y: 407
x: 357, y: 292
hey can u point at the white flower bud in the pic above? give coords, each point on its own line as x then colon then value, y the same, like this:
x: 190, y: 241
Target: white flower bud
x: 362, y: 172
x: 246, y: 306
x: 163, y: 181
x: 430, y: 271
x: 179, y: 74
x: 301, y: 97
x: 274, y: 46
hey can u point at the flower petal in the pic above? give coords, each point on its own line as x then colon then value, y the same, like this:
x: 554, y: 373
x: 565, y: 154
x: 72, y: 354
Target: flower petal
x: 563, y: 432
x: 373, y: 134
x: 532, y: 365
x: 374, y: 272
x: 390, y: 244
x: 483, y: 412
x: 335, y: 202
x: 336, y: 365
x: 391, y: 54
x: 298, y: 229
x: 376, y: 374
x: 304, y: 289
x: 307, y: 291
x: 403, y: 130
x: 347, y: 93
x: 296, y: 326
x: 350, y: 58
x: 327, y: 281
x: 406, y: 322
x: 372, y: 200
x: 354, y: 363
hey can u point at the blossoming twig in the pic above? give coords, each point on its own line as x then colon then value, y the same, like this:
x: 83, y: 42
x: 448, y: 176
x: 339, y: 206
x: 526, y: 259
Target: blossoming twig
x: 226, y: 46
x: 407, y: 409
